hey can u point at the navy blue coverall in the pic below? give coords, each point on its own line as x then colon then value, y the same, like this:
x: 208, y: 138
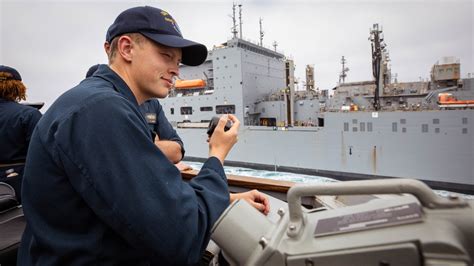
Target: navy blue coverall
x: 158, y: 123
x: 17, y: 122
x: 97, y: 191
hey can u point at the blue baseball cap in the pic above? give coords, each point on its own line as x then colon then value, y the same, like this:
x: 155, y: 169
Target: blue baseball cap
x: 158, y: 26
x: 12, y: 71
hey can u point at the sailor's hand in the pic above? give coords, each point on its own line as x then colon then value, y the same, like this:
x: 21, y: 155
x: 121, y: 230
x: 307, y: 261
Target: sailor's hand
x: 183, y: 167
x: 256, y: 198
x: 222, y: 141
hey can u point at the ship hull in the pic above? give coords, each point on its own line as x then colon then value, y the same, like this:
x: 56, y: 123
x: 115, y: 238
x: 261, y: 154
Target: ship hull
x: 433, y: 146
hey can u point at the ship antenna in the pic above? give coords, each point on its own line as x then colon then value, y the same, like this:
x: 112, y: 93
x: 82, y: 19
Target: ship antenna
x: 309, y: 77
x: 234, y: 22
x: 344, y: 71
x: 240, y: 20
x: 261, y: 32
x: 275, y: 44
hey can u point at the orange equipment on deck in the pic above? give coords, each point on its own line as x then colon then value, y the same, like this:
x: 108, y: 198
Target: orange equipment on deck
x: 189, y: 84
x: 449, y: 99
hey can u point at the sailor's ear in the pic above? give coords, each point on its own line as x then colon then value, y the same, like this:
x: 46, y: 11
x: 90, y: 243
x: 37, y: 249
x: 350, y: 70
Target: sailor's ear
x: 125, y: 46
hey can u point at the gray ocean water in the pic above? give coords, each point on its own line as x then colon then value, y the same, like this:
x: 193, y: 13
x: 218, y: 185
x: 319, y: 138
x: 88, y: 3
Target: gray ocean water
x: 298, y: 178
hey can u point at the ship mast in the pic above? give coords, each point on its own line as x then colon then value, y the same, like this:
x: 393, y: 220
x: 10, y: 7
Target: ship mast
x: 234, y: 22
x: 344, y: 71
x: 261, y: 32
x: 379, y: 63
x: 240, y: 20
x: 309, y: 77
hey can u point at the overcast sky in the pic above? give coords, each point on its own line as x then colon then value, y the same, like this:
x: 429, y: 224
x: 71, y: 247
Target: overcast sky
x: 53, y: 43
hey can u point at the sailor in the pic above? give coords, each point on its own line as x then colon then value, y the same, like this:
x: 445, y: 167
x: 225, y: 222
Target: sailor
x: 96, y: 188
x: 168, y: 141
x: 17, y: 122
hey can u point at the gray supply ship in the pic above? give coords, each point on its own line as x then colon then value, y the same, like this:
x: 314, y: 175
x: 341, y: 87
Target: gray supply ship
x: 421, y: 130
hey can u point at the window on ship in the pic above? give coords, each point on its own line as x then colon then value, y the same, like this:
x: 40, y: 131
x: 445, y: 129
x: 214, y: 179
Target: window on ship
x: 225, y: 109
x: 186, y: 110
x: 206, y: 108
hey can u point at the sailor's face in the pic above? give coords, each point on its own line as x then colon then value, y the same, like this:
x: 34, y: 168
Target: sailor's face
x: 159, y: 65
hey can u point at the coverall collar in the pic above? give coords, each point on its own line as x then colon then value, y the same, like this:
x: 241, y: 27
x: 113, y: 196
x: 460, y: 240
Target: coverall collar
x: 105, y: 72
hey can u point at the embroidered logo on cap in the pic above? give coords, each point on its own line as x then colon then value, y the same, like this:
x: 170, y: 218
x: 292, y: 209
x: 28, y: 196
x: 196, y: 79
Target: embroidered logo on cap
x: 168, y: 18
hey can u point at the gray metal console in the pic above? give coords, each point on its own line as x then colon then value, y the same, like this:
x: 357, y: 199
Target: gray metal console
x: 418, y: 228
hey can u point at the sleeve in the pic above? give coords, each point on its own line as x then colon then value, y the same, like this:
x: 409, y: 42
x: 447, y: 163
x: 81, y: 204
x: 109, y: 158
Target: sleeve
x: 164, y: 129
x: 133, y: 188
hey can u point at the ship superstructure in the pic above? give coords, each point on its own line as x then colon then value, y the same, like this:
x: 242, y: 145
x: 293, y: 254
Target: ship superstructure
x: 237, y: 75
x: 366, y: 129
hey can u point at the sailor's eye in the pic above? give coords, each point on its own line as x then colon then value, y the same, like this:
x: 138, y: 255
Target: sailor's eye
x: 166, y: 55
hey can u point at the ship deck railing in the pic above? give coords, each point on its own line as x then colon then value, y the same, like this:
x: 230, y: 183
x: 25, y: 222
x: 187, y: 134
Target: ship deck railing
x: 278, y: 189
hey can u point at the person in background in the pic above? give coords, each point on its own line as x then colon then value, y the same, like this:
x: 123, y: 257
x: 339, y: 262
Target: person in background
x: 96, y: 189
x: 17, y: 122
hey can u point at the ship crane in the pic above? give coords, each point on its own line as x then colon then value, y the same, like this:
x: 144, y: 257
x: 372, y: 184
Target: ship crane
x: 379, y: 63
